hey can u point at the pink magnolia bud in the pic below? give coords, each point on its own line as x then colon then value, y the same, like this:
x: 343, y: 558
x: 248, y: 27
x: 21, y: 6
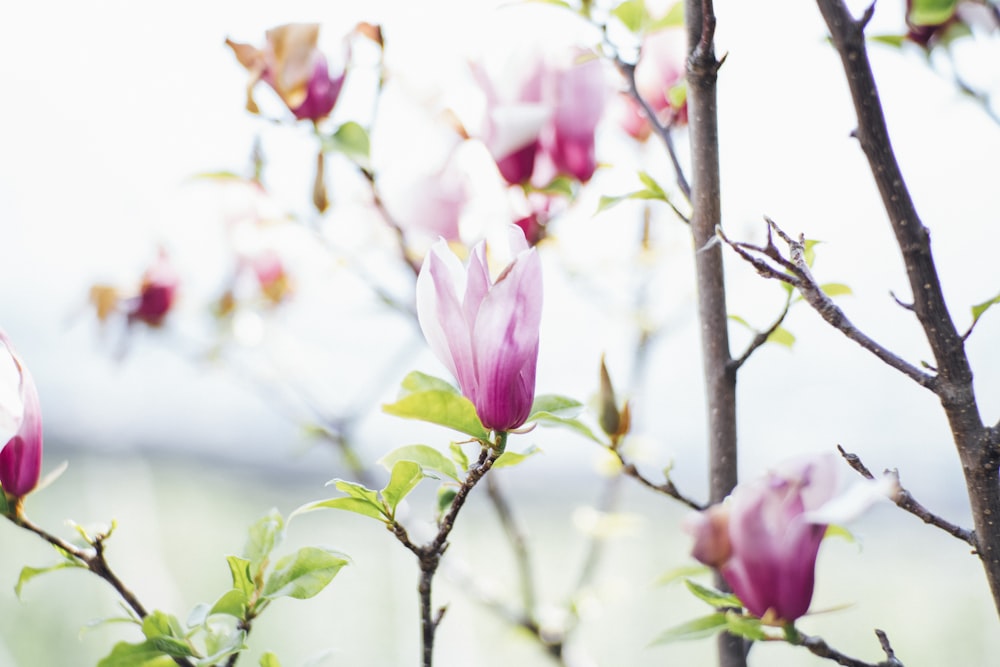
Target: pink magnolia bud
x: 156, y: 293
x: 485, y: 332
x: 20, y: 412
x: 762, y: 540
x: 294, y: 67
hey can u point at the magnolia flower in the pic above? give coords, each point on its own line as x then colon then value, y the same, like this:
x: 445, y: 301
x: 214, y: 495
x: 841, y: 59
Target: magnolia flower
x: 20, y: 414
x: 156, y: 293
x: 294, y: 67
x: 658, y: 77
x: 766, y: 537
x: 541, y: 116
x: 485, y: 332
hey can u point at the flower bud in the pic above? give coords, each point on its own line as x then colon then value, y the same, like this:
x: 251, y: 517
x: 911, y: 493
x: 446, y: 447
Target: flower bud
x: 20, y: 413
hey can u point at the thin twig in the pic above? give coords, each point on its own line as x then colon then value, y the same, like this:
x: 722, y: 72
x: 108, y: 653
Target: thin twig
x: 797, y: 274
x: 667, y: 488
x: 818, y: 646
x: 92, y: 560
x: 905, y: 501
x: 761, y: 337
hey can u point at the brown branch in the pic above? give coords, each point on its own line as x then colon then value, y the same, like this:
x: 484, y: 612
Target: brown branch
x: 92, y: 560
x: 761, y: 337
x: 905, y: 501
x: 429, y: 555
x: 801, y: 278
x: 978, y: 445
x: 818, y: 646
x: 667, y: 488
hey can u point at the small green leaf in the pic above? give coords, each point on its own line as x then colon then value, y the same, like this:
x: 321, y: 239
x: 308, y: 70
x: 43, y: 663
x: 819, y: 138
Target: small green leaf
x: 677, y: 95
x: 222, y: 640
x: 509, y: 458
x: 896, y: 41
x: 652, y: 186
x: 218, y: 176
x: 446, y: 495
x: 558, y: 406
x: 979, y: 309
x: 440, y: 407
x: 242, y: 579
x: 833, y: 530
x: 683, y: 572
x: 745, y: 626
x: 304, y: 573
x: 264, y: 535
x: 145, y: 654
x: 269, y: 660
x: 632, y: 14
x: 352, y: 140
x: 931, y: 12
x: 29, y: 573
x: 356, y: 490
x: 417, y: 381
x: 198, y: 615
x: 836, y: 289
x: 712, y: 596
x: 782, y: 336
x: 232, y: 602
x: 427, y: 457
x: 740, y: 320
x: 560, y: 185
x: 458, y: 455
x: 706, y: 626
x: 607, y: 201
x: 166, y: 634
x: 404, y: 478
x: 356, y: 505
x: 546, y: 419
x: 4, y: 505
x: 809, y: 251
x: 674, y: 18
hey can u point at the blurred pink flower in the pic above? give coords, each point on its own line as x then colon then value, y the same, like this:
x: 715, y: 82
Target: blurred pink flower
x: 542, y: 115
x: 21, y: 457
x: 765, y: 538
x: 485, y: 332
x: 294, y: 67
x: 658, y: 74
x: 156, y: 293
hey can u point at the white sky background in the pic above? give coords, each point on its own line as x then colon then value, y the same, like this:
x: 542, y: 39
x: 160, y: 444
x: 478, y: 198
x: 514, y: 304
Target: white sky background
x: 111, y: 106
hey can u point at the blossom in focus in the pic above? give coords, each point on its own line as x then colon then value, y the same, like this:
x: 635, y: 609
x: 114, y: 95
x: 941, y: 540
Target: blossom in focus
x: 20, y: 425
x: 292, y: 64
x: 542, y: 115
x: 484, y: 331
x: 659, y: 78
x: 765, y: 538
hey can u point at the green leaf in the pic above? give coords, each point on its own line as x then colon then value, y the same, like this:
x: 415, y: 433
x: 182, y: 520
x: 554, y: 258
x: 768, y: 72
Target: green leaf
x: 809, y: 251
x: 269, y: 660
x: 404, y: 478
x: 677, y: 94
x: 4, y: 505
x: 745, y: 626
x: 427, y: 457
x: 558, y: 406
x: 607, y: 201
x: 242, y: 579
x: 458, y: 455
x: 833, y: 530
x: 446, y: 495
x: 782, y: 336
x: 440, y: 407
x: 740, y: 320
x: 546, y: 419
x: 712, y: 596
x: 416, y: 381
x: 896, y: 41
x: 836, y: 289
x: 356, y: 505
x: 145, y: 654
x: 222, y: 640
x: 706, y: 626
x: 560, y: 185
x: 166, y: 634
x: 979, y: 309
x: 232, y: 602
x: 356, y: 490
x: 304, y: 573
x: 674, y: 18
x: 931, y: 12
x: 264, y: 535
x: 352, y: 140
x: 29, y: 573
x: 632, y: 14
x: 509, y: 458
x: 683, y: 572
x: 652, y: 186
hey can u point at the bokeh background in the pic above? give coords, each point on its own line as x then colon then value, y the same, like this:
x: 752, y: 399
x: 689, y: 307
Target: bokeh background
x: 112, y: 108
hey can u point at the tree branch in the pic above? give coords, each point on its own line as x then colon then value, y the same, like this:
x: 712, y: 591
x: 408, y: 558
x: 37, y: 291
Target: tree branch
x: 818, y: 646
x: 905, y: 501
x: 761, y: 337
x: 978, y: 446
